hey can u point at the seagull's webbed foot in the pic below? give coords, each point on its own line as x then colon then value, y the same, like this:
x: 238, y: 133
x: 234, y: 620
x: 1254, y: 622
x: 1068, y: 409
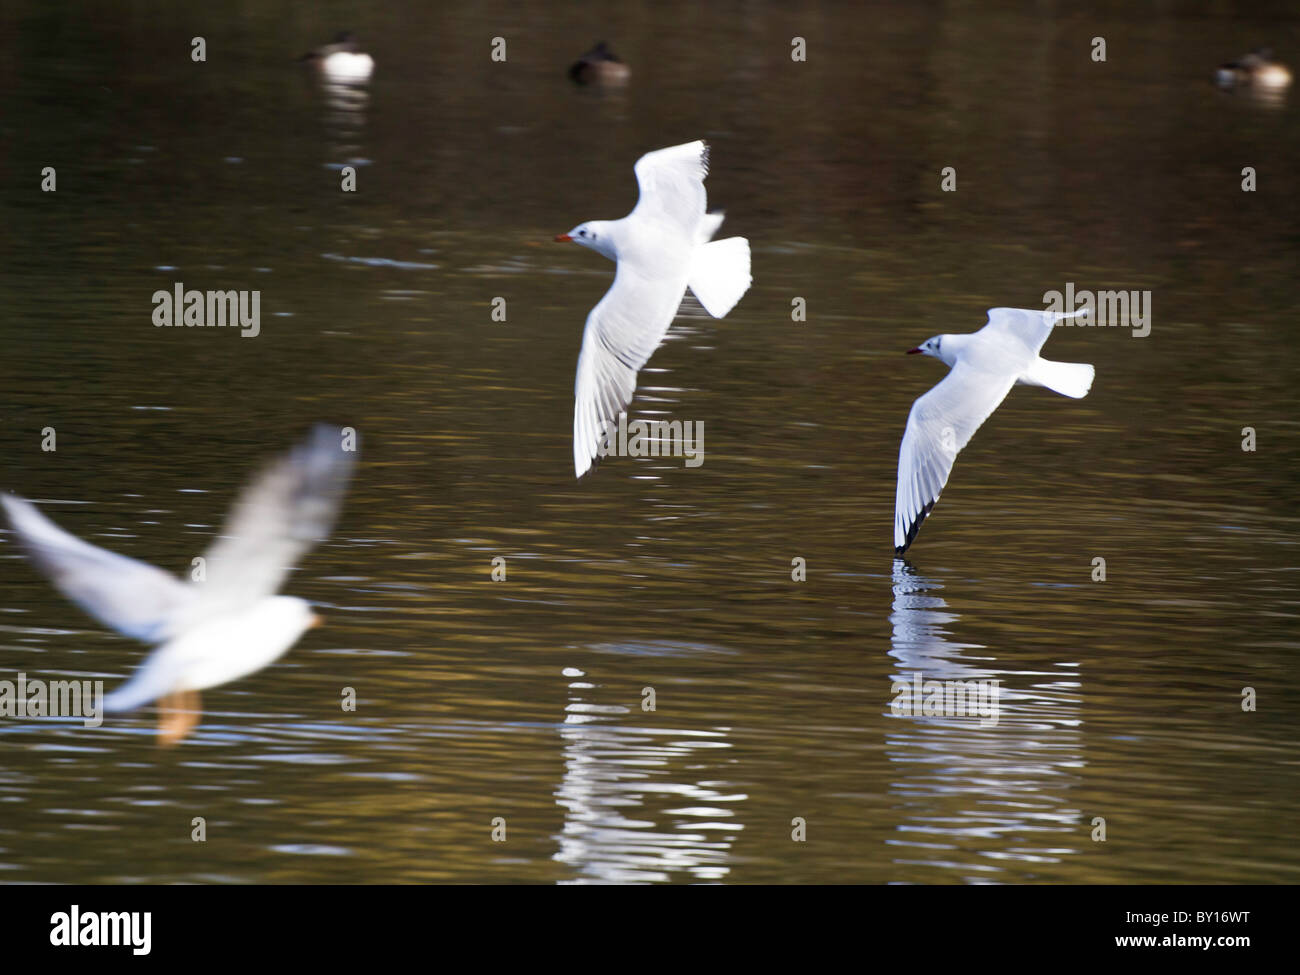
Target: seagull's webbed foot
x: 178, y: 715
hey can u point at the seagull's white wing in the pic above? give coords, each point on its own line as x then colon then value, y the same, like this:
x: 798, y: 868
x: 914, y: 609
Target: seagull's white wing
x: 654, y: 265
x: 132, y: 597
x: 1031, y: 326
x: 287, y: 508
x: 159, y: 674
x: 940, y: 425
x: 672, y: 186
x: 622, y: 332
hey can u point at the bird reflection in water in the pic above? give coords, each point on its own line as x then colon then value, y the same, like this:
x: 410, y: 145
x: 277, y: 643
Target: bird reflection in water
x: 343, y: 70
x: 643, y: 803
x: 985, y: 802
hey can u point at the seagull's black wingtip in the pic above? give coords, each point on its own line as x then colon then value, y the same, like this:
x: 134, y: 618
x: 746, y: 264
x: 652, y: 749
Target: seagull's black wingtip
x: 913, y: 528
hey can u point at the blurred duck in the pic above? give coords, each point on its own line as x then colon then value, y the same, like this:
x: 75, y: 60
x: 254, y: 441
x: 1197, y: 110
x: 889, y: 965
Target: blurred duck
x: 600, y: 66
x: 342, y: 61
x: 1257, y: 69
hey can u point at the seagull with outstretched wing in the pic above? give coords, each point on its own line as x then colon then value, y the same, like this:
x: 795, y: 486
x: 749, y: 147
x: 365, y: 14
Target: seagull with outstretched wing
x: 662, y: 247
x: 228, y: 625
x: 984, y: 366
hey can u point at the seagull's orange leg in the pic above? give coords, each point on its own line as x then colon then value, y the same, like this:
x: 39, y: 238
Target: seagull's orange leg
x: 178, y: 714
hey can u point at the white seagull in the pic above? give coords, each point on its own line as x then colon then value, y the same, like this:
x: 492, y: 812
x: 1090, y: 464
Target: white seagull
x: 985, y: 365
x: 226, y: 626
x: 662, y: 247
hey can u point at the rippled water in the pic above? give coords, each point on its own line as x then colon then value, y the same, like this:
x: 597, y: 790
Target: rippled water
x: 524, y: 699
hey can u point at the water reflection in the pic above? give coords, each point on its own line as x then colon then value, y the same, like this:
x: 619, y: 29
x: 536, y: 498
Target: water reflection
x: 919, y: 639
x: 970, y: 795
x: 346, y: 104
x: 1263, y: 96
x: 643, y: 804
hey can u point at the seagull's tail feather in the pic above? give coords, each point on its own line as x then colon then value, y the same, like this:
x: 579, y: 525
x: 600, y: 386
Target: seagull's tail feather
x: 720, y: 274
x: 709, y: 225
x: 1072, y: 379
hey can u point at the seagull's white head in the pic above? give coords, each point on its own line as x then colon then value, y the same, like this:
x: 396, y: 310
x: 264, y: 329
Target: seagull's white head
x: 940, y: 347
x: 594, y: 234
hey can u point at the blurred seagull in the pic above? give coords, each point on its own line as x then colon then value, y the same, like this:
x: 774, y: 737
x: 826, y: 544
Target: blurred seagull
x: 213, y: 631
x: 600, y: 66
x: 662, y: 247
x: 985, y: 365
x: 342, y: 61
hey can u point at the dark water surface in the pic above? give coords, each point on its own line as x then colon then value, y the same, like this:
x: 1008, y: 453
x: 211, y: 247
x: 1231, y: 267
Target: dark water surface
x: 523, y: 699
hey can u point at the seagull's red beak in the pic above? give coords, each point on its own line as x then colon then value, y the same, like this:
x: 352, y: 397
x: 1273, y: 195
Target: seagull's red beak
x: 915, y: 351
x: 560, y: 238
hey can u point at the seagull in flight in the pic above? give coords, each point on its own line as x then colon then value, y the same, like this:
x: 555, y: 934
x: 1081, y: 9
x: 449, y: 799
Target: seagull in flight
x: 984, y: 366
x: 662, y: 247
x: 230, y: 623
